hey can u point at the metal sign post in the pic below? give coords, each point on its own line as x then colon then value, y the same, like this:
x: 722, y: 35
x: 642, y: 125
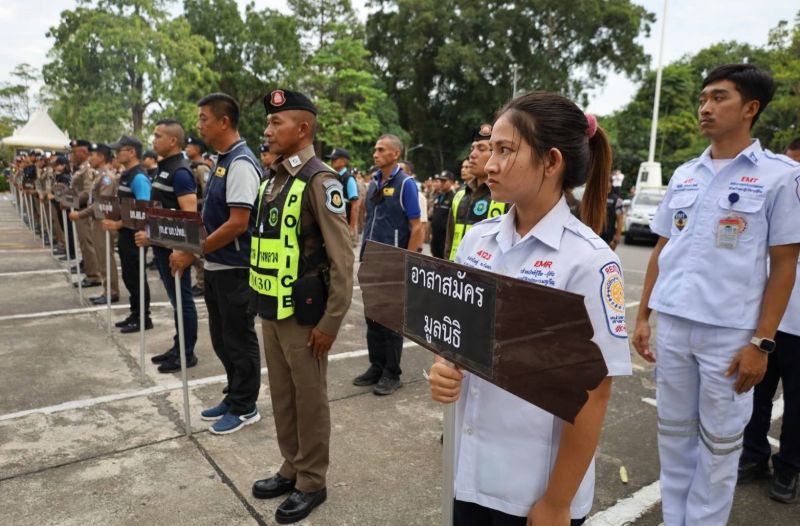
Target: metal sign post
x: 448, y: 463
x: 141, y: 314
x: 108, y: 282
x: 77, y: 261
x: 41, y: 220
x: 67, y: 235
x: 178, y: 230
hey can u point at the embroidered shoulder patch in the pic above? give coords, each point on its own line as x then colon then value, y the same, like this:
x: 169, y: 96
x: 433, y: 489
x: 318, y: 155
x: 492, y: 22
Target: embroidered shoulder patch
x: 334, y: 199
x: 613, y: 295
x: 106, y: 180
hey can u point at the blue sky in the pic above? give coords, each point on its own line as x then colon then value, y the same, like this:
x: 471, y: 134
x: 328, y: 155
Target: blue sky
x: 691, y: 26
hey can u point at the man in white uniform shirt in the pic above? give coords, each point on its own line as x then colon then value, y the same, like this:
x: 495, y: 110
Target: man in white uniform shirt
x: 724, y: 213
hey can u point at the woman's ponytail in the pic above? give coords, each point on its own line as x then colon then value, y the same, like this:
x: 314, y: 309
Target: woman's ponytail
x: 593, y: 204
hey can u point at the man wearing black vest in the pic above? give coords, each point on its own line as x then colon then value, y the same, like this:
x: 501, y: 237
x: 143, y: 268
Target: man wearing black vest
x: 231, y: 191
x: 133, y: 184
x: 393, y: 218
x: 174, y: 187
x: 301, y: 267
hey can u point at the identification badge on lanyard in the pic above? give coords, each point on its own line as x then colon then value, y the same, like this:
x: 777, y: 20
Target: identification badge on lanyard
x: 730, y: 227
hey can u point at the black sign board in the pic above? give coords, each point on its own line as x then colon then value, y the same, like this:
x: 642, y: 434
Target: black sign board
x: 176, y: 229
x: 531, y: 340
x: 450, y: 310
x: 107, y: 208
x: 134, y: 213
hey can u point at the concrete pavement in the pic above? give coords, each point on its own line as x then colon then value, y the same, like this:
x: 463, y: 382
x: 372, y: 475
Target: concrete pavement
x: 84, y: 441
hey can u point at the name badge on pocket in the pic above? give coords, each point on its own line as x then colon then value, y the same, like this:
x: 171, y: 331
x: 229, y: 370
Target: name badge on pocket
x: 729, y: 229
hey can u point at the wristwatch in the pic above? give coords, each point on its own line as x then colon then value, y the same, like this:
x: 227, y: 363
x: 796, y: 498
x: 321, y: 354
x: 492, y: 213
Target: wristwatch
x: 764, y: 345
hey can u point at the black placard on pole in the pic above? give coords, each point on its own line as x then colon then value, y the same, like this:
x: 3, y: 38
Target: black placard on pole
x: 107, y: 208
x: 451, y: 311
x: 133, y: 212
x: 176, y: 229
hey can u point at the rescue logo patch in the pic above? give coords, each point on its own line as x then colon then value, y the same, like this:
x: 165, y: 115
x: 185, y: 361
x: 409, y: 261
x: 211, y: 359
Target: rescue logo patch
x: 334, y: 200
x: 680, y: 219
x: 613, y: 295
x: 273, y: 216
x: 278, y: 98
x: 480, y: 208
x: 220, y: 171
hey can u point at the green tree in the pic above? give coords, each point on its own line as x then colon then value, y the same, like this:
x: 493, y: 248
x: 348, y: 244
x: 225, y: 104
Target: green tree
x: 450, y: 64
x: 116, y: 61
x: 16, y: 102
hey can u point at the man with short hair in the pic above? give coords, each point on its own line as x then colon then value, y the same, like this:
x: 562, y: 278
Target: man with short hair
x: 195, y: 149
x: 228, y: 218
x: 727, y: 218
x: 105, y: 185
x: 81, y: 183
x: 393, y: 218
x: 174, y: 187
x: 474, y: 202
x: 133, y: 184
x: 301, y: 268
x: 614, y: 218
x: 267, y: 157
x: 339, y: 161
x: 441, y: 212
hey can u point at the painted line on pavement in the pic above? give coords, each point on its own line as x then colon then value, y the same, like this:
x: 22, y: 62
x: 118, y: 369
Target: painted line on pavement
x: 627, y: 510
x: 33, y: 272
x: 172, y: 386
x: 80, y: 310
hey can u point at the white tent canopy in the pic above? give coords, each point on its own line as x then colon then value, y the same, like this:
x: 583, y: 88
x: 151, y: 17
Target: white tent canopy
x: 39, y: 132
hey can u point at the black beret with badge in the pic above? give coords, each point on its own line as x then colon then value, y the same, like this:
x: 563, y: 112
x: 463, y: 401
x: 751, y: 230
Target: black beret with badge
x: 78, y: 143
x: 100, y: 148
x: 482, y: 133
x: 283, y: 100
x: 338, y: 153
x: 127, y: 140
x: 197, y: 142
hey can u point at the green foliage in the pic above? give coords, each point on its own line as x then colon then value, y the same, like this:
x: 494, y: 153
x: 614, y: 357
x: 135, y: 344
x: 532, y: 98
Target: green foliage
x: 15, y: 97
x: 449, y: 64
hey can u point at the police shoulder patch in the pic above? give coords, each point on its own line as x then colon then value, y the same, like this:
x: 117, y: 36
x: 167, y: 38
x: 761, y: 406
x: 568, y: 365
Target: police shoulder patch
x: 106, y: 180
x: 334, y: 198
x: 613, y: 294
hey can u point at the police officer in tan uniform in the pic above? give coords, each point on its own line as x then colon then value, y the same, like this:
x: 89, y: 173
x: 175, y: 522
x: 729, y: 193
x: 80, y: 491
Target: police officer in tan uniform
x: 105, y: 185
x: 82, y: 181
x: 301, y: 266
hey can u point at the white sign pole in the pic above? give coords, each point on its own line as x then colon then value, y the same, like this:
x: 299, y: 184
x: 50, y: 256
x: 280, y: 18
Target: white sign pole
x: 182, y: 351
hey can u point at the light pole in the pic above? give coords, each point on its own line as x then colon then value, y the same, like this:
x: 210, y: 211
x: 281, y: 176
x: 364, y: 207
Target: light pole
x: 417, y: 147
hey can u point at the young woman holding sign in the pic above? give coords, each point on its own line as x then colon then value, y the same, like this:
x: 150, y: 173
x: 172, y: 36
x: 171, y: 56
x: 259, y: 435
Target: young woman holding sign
x: 516, y: 464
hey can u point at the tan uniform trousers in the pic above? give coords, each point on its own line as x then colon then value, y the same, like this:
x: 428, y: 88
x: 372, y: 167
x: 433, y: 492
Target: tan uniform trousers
x: 86, y: 240
x: 99, y: 237
x: 58, y: 232
x: 299, y: 390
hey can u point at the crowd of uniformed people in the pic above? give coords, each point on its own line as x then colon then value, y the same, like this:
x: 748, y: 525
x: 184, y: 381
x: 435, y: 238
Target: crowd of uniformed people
x: 284, y: 229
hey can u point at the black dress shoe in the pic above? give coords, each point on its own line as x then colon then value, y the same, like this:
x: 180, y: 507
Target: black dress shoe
x: 370, y: 377
x: 134, y: 326
x: 85, y: 283
x: 750, y: 471
x: 101, y: 300
x: 784, y: 487
x: 299, y: 505
x: 275, y: 486
x: 226, y: 389
x: 163, y: 357
x: 197, y: 291
x: 387, y: 386
x: 126, y: 321
x: 174, y: 365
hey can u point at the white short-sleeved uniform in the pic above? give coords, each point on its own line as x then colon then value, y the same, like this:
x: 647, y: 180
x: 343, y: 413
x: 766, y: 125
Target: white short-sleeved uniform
x: 505, y: 446
x: 700, y: 281
x: 790, y: 323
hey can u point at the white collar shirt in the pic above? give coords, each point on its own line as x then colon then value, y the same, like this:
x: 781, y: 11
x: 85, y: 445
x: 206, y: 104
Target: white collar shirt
x: 718, y: 285
x: 506, y: 447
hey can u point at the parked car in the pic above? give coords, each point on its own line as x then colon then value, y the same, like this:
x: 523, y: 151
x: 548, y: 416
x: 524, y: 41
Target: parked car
x: 643, y: 208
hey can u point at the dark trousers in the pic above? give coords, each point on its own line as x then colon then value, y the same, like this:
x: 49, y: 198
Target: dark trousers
x: 66, y: 228
x: 471, y: 514
x: 129, y: 261
x: 783, y: 365
x: 233, y: 336
x: 437, y: 243
x: 161, y: 257
x: 385, y: 349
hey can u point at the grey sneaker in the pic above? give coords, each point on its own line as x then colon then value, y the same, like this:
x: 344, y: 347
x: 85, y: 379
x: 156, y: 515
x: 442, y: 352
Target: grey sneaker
x: 784, y: 487
x: 387, y: 386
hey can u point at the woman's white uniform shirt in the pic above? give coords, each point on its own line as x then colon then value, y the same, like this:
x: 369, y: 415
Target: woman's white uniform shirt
x: 506, y: 447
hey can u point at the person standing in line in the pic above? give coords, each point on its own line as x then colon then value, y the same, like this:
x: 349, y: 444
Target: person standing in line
x: 195, y: 149
x: 515, y: 464
x: 783, y: 366
x: 339, y: 160
x: 228, y: 218
x: 615, y: 211
x: 441, y: 213
x: 133, y: 184
x: 723, y: 215
x: 301, y: 267
x: 174, y: 187
x: 81, y: 183
x: 393, y: 218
